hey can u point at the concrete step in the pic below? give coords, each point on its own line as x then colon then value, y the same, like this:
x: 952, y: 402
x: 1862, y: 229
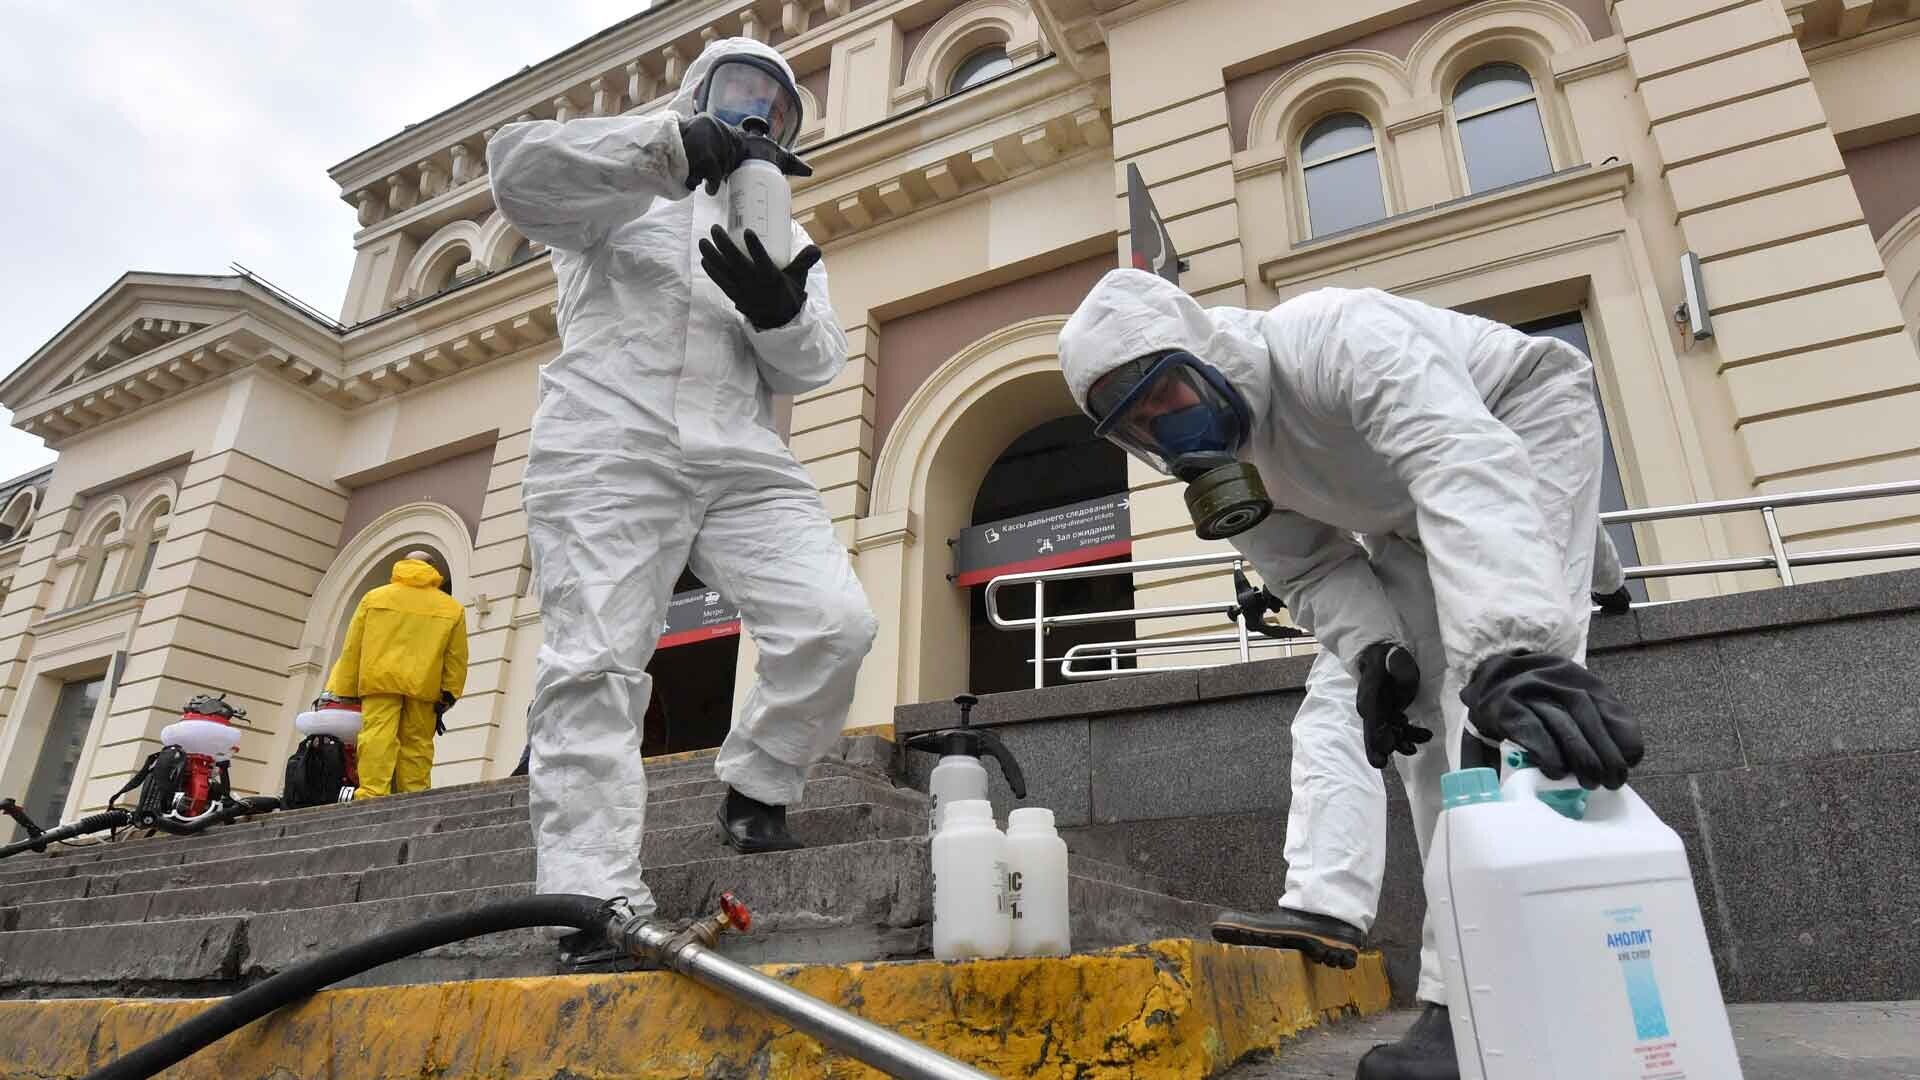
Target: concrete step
x: 1165, y: 1009
x: 863, y: 900
x: 679, y: 804
x: 318, y: 827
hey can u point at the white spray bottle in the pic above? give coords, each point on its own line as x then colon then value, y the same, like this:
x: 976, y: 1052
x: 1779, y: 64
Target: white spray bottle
x: 960, y: 774
x: 1570, y: 935
x: 758, y: 197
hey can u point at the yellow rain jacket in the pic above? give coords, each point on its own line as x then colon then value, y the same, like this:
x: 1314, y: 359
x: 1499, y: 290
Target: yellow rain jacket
x: 407, y: 638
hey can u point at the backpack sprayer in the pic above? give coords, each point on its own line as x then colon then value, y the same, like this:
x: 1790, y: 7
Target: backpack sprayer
x: 184, y: 786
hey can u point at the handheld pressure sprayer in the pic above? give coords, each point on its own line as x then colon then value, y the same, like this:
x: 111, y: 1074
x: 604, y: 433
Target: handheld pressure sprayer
x: 960, y: 774
x: 757, y: 194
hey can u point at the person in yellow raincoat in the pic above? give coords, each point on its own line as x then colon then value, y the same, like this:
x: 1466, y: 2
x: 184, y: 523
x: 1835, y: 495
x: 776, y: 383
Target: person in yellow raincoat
x: 405, y: 658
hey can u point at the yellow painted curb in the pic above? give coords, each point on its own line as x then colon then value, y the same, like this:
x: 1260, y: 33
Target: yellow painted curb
x: 1168, y: 1009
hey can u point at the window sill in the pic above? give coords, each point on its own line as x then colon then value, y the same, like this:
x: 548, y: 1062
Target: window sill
x: 1563, y: 190
x: 104, y: 608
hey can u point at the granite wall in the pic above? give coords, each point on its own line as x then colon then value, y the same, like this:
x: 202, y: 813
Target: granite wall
x: 1784, y: 746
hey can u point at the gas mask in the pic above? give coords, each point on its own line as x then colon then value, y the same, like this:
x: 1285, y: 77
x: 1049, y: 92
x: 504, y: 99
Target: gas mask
x: 1179, y: 415
x: 751, y: 93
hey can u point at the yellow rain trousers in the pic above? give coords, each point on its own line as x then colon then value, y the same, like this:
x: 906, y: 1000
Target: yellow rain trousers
x: 406, y: 646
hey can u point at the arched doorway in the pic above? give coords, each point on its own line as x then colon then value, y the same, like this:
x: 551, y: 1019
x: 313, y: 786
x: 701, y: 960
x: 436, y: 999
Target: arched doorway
x: 1055, y: 464
x: 692, y: 669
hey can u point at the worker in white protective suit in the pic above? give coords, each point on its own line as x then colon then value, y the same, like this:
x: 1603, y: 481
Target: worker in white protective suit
x: 1465, y: 454
x: 1335, y: 847
x: 653, y: 447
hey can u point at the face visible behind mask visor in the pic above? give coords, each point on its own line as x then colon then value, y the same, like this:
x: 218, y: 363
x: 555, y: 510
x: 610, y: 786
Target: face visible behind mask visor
x: 1179, y: 415
x: 743, y: 88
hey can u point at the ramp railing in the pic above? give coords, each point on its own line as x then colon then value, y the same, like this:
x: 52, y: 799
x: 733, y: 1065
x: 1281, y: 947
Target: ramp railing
x: 1102, y: 659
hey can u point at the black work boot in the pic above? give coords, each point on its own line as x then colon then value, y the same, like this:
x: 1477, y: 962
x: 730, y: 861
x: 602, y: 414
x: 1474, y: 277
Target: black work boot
x: 1322, y: 939
x: 1425, y: 1052
x: 751, y: 826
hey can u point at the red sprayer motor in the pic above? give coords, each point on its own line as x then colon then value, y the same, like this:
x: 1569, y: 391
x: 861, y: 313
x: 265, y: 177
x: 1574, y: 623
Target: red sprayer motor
x: 189, y: 773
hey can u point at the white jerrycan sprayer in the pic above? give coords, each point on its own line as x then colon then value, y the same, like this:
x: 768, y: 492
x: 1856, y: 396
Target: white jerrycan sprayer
x: 960, y: 773
x: 1570, y: 935
x: 972, y: 913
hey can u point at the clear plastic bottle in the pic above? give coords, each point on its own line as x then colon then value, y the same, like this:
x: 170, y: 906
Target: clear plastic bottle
x: 1037, y: 882
x: 972, y: 913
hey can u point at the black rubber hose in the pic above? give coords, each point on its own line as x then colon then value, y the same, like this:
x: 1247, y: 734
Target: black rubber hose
x: 92, y: 823
x: 243, y: 1008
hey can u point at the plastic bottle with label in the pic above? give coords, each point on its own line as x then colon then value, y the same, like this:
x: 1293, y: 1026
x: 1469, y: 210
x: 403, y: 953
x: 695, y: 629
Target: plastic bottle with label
x: 972, y: 913
x: 1570, y: 936
x: 1037, y: 884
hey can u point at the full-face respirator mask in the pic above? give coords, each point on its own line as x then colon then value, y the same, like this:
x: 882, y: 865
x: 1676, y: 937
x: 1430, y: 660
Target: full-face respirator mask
x: 1178, y: 414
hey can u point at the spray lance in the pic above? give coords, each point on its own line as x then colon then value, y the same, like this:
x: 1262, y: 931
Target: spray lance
x: 959, y: 774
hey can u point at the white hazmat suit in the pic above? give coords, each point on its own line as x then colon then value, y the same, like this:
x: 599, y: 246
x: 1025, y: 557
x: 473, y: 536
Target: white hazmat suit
x: 1337, y: 816
x: 653, y: 447
x: 1463, y: 453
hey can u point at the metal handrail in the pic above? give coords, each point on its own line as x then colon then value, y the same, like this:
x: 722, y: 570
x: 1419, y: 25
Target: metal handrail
x: 1779, y: 559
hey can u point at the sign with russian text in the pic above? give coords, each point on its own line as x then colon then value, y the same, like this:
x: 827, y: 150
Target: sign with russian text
x: 699, y: 615
x: 1074, y: 535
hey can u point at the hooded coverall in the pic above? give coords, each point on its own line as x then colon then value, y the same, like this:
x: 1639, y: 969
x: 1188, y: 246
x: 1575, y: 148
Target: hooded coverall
x: 653, y: 447
x: 1464, y: 454
x: 1337, y: 814
x: 406, y: 646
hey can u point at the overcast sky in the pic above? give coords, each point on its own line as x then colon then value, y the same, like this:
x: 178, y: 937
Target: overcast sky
x: 188, y: 135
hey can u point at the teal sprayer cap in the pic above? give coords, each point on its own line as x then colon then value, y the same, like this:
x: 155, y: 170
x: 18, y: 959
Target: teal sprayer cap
x: 1465, y: 787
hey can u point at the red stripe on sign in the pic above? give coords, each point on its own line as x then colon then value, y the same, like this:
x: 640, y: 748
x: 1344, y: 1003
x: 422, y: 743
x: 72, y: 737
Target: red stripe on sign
x: 1046, y: 562
x: 704, y: 633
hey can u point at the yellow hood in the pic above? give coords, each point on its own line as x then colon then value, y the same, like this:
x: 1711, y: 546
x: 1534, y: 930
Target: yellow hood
x: 416, y: 573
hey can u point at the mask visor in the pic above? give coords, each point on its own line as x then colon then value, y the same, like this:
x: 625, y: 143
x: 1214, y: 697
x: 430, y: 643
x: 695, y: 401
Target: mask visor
x: 1165, y: 406
x: 740, y: 89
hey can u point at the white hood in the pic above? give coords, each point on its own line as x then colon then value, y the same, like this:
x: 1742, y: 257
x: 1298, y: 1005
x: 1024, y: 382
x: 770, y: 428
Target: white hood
x: 1131, y: 313
x: 682, y: 102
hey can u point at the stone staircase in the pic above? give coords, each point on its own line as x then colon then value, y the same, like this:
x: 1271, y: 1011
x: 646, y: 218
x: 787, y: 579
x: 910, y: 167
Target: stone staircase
x: 174, y: 917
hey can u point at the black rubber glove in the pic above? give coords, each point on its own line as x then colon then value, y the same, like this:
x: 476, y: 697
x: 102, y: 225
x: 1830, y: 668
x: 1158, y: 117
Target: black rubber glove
x: 1617, y: 602
x: 1389, y: 681
x: 440, y: 709
x: 1561, y: 713
x: 767, y: 295
x: 714, y: 150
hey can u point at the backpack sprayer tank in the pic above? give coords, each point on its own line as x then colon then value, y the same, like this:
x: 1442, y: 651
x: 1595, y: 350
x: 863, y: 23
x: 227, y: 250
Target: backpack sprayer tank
x: 190, y: 770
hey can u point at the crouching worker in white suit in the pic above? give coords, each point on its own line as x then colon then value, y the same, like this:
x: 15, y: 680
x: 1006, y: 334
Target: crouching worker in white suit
x: 1336, y: 839
x: 1467, y: 457
x: 654, y: 447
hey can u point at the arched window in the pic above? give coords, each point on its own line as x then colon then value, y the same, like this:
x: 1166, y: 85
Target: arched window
x: 1341, y: 168
x: 153, y: 530
x: 439, y: 275
x: 17, y: 519
x: 100, y: 573
x: 981, y: 65
x: 1497, y: 114
x: 522, y: 251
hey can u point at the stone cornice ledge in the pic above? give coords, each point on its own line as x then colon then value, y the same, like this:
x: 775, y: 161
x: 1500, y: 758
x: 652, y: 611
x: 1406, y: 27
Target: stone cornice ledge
x: 1561, y: 191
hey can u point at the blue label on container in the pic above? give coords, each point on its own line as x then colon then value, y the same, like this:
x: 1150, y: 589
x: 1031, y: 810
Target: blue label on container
x: 1633, y: 947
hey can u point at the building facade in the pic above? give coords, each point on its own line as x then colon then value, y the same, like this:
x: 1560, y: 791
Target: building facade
x: 236, y: 470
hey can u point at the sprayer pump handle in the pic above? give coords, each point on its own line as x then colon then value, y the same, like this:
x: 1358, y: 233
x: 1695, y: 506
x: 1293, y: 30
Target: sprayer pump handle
x: 1010, y: 768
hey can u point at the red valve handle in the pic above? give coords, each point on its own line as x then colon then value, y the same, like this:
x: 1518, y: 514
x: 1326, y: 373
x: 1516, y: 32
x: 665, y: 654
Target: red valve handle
x: 735, y: 912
